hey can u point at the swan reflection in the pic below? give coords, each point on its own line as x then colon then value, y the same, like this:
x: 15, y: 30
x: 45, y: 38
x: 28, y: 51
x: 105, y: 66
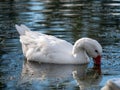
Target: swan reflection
x: 48, y: 76
x: 90, y: 79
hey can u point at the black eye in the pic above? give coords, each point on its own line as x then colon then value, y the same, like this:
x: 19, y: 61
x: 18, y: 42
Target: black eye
x: 96, y: 51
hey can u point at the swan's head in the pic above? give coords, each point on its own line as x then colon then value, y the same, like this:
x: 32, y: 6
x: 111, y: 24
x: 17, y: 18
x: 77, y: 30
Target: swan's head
x: 91, y: 47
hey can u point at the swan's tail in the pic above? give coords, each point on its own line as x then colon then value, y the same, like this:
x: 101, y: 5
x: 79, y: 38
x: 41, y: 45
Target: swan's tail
x: 22, y: 29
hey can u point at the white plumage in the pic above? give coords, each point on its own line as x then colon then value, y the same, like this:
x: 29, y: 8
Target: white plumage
x: 49, y: 49
x: 112, y: 84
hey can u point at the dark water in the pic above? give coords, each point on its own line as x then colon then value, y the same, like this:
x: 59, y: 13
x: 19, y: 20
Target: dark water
x: 66, y: 19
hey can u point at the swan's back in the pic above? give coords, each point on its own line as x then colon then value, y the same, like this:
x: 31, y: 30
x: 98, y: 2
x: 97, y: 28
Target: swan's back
x: 44, y: 48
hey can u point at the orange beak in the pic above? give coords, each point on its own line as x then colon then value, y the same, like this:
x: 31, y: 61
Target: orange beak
x: 97, y: 60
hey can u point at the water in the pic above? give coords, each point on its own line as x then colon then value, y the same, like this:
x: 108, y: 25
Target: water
x: 66, y: 19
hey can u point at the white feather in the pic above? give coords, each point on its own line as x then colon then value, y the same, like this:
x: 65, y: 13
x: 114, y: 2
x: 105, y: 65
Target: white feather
x: 49, y: 49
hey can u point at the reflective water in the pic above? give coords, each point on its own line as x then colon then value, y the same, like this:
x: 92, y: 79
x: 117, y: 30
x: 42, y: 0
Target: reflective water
x: 66, y: 19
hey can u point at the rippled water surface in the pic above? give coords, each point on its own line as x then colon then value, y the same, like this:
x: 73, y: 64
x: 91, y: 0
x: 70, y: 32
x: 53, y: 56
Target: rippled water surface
x: 66, y: 19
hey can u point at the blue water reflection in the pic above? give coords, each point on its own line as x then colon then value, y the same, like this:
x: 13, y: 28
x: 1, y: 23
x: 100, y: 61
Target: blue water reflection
x: 52, y: 76
x: 66, y: 19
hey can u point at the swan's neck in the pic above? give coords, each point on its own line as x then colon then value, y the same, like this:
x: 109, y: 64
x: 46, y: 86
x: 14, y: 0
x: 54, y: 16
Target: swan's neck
x: 79, y: 53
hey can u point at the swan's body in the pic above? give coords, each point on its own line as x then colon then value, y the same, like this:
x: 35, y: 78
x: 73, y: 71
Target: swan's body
x: 49, y: 49
x: 112, y: 84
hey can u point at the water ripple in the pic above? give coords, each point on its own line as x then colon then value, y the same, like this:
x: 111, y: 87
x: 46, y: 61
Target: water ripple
x: 66, y: 19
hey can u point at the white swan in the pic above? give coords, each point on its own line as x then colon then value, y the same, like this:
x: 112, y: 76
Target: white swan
x: 49, y: 49
x: 112, y: 84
